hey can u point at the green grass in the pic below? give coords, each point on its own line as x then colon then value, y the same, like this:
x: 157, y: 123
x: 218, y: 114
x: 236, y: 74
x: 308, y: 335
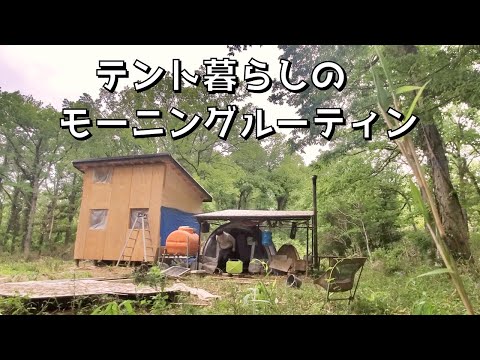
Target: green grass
x: 399, y: 293
x: 15, y: 268
x: 390, y: 284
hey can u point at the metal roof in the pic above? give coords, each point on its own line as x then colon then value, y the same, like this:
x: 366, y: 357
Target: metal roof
x: 255, y: 215
x: 142, y: 159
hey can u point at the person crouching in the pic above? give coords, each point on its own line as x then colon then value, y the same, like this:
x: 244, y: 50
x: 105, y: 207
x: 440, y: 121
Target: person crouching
x: 226, y: 244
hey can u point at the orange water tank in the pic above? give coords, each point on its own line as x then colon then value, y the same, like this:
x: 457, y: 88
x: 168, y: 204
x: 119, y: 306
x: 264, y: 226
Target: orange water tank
x: 182, y: 240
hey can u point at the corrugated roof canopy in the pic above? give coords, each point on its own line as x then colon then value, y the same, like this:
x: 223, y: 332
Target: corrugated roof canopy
x: 139, y: 160
x: 255, y: 215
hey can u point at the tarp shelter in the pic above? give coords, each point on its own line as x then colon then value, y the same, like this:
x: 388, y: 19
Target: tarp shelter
x: 115, y: 189
x: 171, y: 219
x: 243, y: 224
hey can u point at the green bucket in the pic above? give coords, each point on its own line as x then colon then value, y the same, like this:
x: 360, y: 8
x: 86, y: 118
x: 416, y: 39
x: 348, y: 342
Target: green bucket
x: 234, y: 266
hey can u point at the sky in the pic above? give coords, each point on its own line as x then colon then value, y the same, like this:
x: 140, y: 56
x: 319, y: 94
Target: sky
x: 53, y: 73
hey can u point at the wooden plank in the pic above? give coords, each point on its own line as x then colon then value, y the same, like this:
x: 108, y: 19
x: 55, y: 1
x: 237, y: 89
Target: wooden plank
x: 158, y: 177
x: 100, y: 195
x: 119, y: 212
x: 94, y: 244
x: 281, y: 263
x: 70, y: 288
x: 84, y: 217
x: 141, y: 186
x: 99, y: 198
x: 188, y: 182
x: 140, y: 193
x: 90, y: 243
x: 300, y: 265
x: 179, y: 194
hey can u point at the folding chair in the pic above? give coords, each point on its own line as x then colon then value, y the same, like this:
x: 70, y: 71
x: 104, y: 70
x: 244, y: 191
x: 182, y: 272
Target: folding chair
x: 340, y: 276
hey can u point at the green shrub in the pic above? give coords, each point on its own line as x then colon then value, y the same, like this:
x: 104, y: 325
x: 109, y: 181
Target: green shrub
x: 159, y: 304
x: 417, y: 243
x: 424, y: 308
x: 15, y: 306
x: 152, y: 277
x: 115, y: 308
x: 392, y: 259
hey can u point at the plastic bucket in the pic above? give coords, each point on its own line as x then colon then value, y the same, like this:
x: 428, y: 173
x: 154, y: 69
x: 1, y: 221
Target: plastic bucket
x: 255, y: 267
x: 293, y: 281
x: 267, y: 238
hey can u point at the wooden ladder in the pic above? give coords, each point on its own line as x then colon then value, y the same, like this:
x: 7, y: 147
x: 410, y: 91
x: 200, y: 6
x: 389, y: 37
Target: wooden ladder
x: 131, y: 241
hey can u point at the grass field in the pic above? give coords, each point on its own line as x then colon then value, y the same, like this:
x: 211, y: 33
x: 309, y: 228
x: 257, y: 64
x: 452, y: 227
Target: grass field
x: 390, y: 284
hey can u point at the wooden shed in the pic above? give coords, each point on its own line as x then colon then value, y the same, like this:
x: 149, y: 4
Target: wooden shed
x: 116, y: 189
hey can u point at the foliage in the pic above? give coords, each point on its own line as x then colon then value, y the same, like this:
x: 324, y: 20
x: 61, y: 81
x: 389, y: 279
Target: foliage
x: 262, y: 297
x: 357, y: 209
x: 40, y: 191
x: 149, y: 276
x: 15, y: 306
x: 115, y: 308
x: 390, y: 284
x: 159, y: 304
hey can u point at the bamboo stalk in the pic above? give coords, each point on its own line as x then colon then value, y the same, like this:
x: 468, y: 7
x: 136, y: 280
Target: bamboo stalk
x: 408, y: 151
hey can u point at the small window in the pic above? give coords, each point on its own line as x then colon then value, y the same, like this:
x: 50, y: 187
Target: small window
x: 98, y: 219
x: 102, y: 175
x: 134, y: 214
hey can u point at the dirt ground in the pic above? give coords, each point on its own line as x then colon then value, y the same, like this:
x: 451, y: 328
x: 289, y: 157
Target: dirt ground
x: 230, y: 292
x: 101, y: 271
x: 52, y: 269
x: 49, y: 270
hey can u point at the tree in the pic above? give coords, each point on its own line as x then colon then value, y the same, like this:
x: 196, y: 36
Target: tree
x: 461, y: 131
x: 359, y: 208
x: 36, y: 144
x: 453, y: 77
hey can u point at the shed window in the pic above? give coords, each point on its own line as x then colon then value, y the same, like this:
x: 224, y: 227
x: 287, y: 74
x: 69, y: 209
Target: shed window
x: 102, y: 175
x: 98, y: 219
x: 134, y: 215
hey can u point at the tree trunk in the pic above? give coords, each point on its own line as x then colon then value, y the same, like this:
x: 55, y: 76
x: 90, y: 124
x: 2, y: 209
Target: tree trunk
x: 473, y: 180
x: 32, y: 204
x: 367, y: 241
x: 44, y: 227
x: 71, y: 210
x: 47, y: 223
x: 451, y: 212
x: 1, y: 214
x: 13, y: 225
x: 449, y: 207
x: 281, y: 202
x: 27, y: 240
x: 462, y: 181
x: 27, y: 201
x: 243, y: 199
x: 461, y: 164
x: 2, y: 204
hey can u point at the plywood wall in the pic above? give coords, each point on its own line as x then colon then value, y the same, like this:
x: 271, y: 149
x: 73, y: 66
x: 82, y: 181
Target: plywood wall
x: 139, y: 186
x: 83, y: 217
x: 118, y: 212
x: 158, y: 180
x: 179, y: 193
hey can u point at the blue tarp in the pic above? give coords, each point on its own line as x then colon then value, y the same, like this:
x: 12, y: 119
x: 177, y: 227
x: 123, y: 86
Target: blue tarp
x: 171, y: 219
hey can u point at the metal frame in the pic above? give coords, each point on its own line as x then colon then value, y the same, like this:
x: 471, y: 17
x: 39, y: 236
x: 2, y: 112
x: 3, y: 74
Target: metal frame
x: 356, y: 280
x: 144, y: 219
x: 301, y: 224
